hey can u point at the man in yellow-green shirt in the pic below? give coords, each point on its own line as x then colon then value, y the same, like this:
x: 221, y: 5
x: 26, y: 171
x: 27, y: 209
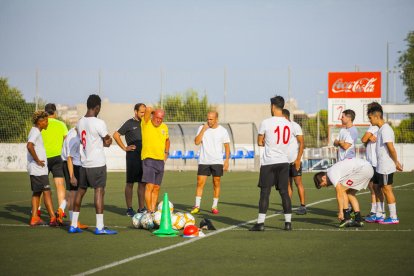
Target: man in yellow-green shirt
x: 53, y: 138
x: 155, y: 151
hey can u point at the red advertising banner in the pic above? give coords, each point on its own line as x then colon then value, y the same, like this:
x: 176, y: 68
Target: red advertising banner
x: 354, y: 85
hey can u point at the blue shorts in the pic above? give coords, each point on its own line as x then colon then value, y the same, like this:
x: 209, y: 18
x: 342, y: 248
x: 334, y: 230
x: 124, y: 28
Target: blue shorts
x: 153, y: 171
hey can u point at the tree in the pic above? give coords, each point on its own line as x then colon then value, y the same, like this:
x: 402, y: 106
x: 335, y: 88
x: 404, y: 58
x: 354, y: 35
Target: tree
x: 185, y: 107
x: 15, y: 114
x: 407, y: 64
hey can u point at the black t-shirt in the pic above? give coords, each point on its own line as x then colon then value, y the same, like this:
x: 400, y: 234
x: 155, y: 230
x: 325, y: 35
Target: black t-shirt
x: 132, y: 131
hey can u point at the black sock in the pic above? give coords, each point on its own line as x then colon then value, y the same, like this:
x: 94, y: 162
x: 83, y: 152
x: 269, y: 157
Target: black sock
x: 347, y: 214
x: 358, y: 216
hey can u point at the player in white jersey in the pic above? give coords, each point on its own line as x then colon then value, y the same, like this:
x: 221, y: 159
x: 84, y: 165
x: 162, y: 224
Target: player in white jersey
x: 212, y: 137
x: 387, y: 162
x: 347, y: 136
x: 274, y: 136
x: 296, y: 147
x: 94, y: 136
x: 348, y: 176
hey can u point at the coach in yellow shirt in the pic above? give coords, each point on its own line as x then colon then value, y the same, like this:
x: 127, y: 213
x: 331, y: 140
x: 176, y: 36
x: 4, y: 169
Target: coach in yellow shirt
x: 53, y: 138
x: 155, y: 151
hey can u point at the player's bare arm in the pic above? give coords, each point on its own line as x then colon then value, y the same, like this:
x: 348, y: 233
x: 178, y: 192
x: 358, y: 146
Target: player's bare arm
x: 72, y: 179
x: 344, y: 145
x: 118, y: 140
x: 393, y: 155
x: 167, y: 149
x: 147, y: 114
x: 199, y: 138
x: 260, y: 140
x: 107, y: 141
x: 30, y: 148
x: 365, y: 138
x: 340, y: 193
x: 301, y: 143
x: 226, y: 161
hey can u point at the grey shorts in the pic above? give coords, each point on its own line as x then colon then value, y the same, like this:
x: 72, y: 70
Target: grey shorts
x: 39, y: 183
x: 92, y: 177
x: 153, y: 171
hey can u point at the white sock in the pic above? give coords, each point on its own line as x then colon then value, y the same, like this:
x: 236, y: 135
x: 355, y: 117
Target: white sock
x: 373, y: 207
x: 40, y: 207
x: 393, y: 210
x: 215, y: 202
x: 63, y: 205
x: 75, y: 217
x: 99, y: 221
x: 261, y: 218
x: 380, y: 209
x: 198, y: 201
x: 70, y: 215
x: 288, y: 217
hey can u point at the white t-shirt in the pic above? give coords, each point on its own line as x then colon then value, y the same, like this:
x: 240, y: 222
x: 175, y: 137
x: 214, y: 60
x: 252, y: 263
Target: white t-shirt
x: 370, y: 151
x: 293, y: 144
x: 385, y: 165
x: 349, y: 135
x: 353, y: 173
x: 91, y: 130
x: 277, y: 133
x: 211, y: 151
x: 33, y: 168
x: 71, y: 146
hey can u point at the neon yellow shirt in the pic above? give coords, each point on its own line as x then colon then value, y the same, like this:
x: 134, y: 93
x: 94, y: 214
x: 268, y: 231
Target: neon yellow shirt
x: 153, y: 140
x: 53, y: 137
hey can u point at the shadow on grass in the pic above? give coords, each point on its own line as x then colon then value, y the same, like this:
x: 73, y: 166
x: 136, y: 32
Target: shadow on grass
x: 251, y: 206
x: 17, y: 213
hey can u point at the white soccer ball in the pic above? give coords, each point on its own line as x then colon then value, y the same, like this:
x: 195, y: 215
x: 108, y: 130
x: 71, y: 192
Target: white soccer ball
x: 156, y: 217
x: 136, y: 220
x: 146, y: 221
x: 171, y: 206
x: 177, y: 221
x: 189, y: 219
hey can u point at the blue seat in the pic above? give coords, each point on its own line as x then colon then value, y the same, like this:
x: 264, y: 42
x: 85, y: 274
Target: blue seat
x: 249, y: 154
x: 188, y: 155
x: 177, y: 154
x: 239, y: 155
x: 197, y: 155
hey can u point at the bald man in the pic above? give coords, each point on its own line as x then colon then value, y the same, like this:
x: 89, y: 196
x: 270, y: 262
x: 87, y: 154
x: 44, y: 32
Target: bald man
x: 212, y: 137
x: 155, y: 151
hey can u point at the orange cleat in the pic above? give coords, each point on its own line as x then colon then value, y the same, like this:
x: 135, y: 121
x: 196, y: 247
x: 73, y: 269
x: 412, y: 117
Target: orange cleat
x: 36, y: 221
x: 82, y: 226
x: 59, y: 216
x: 53, y: 222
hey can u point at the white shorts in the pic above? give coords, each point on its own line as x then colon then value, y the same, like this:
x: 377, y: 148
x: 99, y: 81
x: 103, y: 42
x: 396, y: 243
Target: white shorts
x: 360, y: 179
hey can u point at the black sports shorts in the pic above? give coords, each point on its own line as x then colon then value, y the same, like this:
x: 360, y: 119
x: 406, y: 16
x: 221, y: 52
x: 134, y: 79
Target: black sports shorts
x: 76, y: 169
x: 215, y: 170
x: 55, y: 165
x: 375, y: 177
x: 292, y: 170
x: 133, y: 167
x: 92, y: 177
x: 274, y: 174
x: 39, y: 183
x: 385, y: 179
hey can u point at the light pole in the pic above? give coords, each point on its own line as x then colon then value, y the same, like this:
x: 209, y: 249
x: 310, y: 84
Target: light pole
x: 318, y: 119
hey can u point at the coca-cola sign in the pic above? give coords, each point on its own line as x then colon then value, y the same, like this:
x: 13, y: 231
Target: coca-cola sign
x: 355, y: 85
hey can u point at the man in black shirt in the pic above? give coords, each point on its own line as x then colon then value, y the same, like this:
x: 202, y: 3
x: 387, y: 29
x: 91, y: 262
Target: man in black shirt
x: 132, y: 131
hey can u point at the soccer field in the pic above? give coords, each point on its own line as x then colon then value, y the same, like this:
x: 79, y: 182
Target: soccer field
x: 315, y: 246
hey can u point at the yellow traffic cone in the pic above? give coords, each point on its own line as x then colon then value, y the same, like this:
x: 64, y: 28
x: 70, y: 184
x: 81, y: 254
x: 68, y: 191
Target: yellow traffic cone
x: 166, y: 229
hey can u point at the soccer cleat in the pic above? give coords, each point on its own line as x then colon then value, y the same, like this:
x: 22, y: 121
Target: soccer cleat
x: 379, y: 219
x: 130, y: 212
x: 206, y: 224
x: 82, y: 226
x: 214, y: 210
x: 371, y: 219
x: 357, y: 224
x: 371, y: 214
x: 352, y: 214
x: 257, y: 227
x: 345, y: 223
x: 104, y: 231
x: 195, y: 210
x: 36, y: 221
x: 73, y: 230
x: 390, y: 221
x: 143, y: 210
x: 59, y: 216
x: 53, y: 222
x: 301, y: 210
x: 288, y: 226
x: 39, y: 212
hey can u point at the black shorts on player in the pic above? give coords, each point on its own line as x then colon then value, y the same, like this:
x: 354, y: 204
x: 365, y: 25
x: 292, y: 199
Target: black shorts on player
x: 76, y: 170
x: 133, y: 167
x: 92, y: 177
x: 207, y: 170
x: 39, y: 183
x: 385, y: 179
x: 375, y: 177
x: 55, y: 165
x: 292, y: 170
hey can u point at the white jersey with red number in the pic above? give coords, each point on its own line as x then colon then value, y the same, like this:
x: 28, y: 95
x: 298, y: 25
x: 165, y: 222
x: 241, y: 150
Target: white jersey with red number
x: 277, y: 133
x: 91, y: 130
x: 293, y: 144
x: 353, y: 173
x: 385, y: 165
x: 370, y: 151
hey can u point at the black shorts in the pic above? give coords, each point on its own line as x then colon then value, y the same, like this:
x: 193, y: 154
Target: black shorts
x: 153, y: 171
x: 39, y: 183
x: 292, y: 170
x: 92, y: 177
x: 375, y: 177
x: 215, y: 170
x: 133, y: 167
x: 274, y: 174
x: 76, y: 169
x: 55, y: 165
x: 385, y: 179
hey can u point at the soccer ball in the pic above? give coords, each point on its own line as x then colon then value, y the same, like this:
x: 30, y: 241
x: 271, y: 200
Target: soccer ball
x: 171, y: 206
x: 146, y: 221
x: 177, y: 221
x: 136, y: 220
x: 189, y: 219
x: 156, y: 217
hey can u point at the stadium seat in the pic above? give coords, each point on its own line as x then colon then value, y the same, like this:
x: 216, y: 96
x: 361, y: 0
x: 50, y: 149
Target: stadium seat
x: 197, y: 155
x: 238, y: 155
x: 188, y: 155
x: 177, y: 154
x: 249, y: 154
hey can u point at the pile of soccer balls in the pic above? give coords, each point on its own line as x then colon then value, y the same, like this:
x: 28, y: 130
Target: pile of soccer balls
x: 149, y: 221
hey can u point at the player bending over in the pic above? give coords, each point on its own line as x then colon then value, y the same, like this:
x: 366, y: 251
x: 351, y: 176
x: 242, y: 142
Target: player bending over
x: 348, y: 176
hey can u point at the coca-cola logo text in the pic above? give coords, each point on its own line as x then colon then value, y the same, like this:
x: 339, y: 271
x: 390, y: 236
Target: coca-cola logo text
x: 362, y: 85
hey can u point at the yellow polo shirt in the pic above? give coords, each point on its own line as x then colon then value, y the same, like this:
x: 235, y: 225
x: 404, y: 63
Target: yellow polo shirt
x: 153, y: 140
x: 53, y: 137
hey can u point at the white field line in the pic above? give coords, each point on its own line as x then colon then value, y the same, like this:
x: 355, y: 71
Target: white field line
x: 140, y: 256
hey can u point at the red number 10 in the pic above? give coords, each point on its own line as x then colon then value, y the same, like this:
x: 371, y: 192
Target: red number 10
x: 285, y: 135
